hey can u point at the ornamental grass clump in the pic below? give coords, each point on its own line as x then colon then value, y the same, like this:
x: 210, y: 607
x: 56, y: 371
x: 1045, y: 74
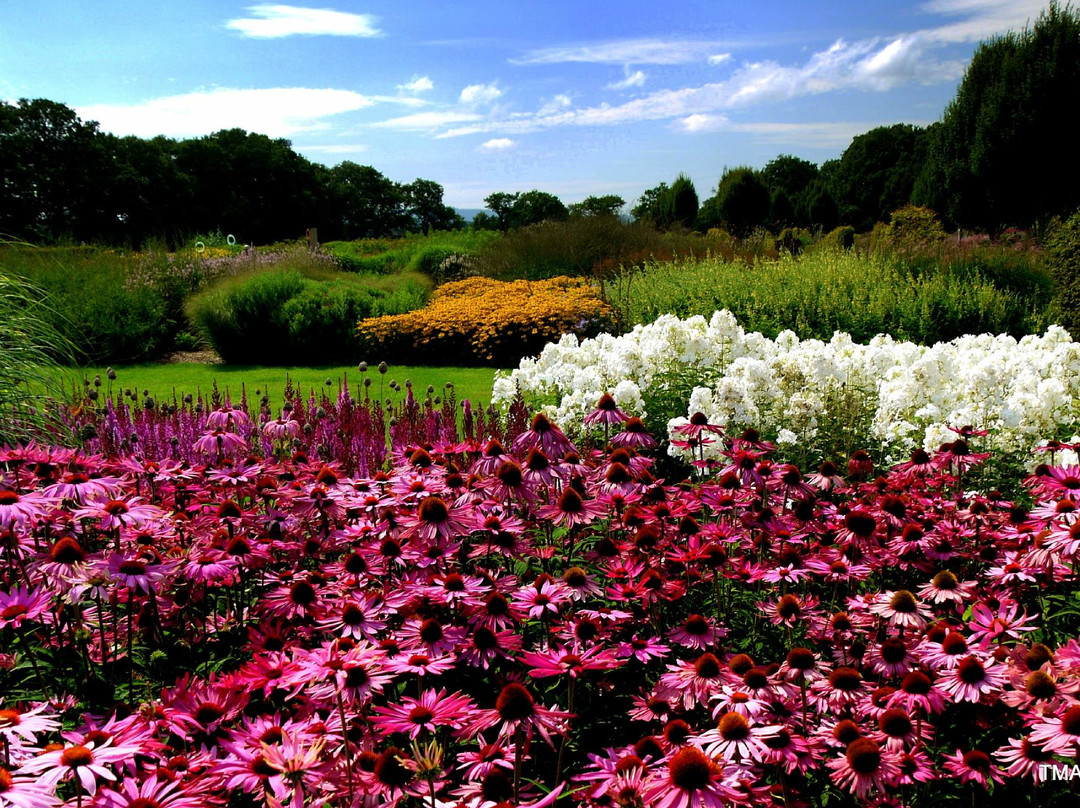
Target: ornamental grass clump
x: 489, y: 322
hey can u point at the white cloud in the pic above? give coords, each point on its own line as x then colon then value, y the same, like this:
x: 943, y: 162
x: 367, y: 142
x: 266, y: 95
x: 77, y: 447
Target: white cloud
x: 624, y: 52
x: 476, y: 94
x: 275, y: 21
x: 498, y: 144
x: 719, y: 58
x: 699, y: 122
x: 983, y: 18
x: 427, y: 120
x: 419, y: 84
x: 277, y: 112
x: 635, y: 79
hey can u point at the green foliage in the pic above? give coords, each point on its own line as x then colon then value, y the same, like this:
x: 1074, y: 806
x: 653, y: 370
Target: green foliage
x: 781, y: 211
x: 874, y: 175
x: 793, y: 240
x: 839, y: 238
x: 742, y: 202
x: 829, y: 290
x: 413, y: 253
x: 281, y: 317
x: 1063, y: 259
x: 788, y: 174
x: 679, y: 204
x: 582, y: 245
x: 607, y: 205
x: 647, y: 208
x: 1005, y: 152
x: 109, y: 308
x: 911, y: 229
x: 524, y: 209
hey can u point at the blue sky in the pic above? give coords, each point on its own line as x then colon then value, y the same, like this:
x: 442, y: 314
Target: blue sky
x: 575, y: 98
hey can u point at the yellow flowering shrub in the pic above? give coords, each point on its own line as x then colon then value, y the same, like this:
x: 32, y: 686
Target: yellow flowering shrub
x: 489, y: 322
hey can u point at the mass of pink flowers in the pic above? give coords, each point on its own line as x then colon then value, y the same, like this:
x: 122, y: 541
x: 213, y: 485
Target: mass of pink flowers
x: 238, y: 611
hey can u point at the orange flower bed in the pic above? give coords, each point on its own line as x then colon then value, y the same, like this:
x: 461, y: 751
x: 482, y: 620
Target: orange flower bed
x: 489, y: 322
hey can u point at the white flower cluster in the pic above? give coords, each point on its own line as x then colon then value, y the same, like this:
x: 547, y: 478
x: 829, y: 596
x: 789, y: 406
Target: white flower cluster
x: 904, y: 394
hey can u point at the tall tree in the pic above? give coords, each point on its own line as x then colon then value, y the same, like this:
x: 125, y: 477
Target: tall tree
x: 1005, y: 152
x: 679, y: 204
x: 607, y: 205
x: 876, y: 174
x: 741, y: 202
x: 424, y: 202
x: 366, y: 204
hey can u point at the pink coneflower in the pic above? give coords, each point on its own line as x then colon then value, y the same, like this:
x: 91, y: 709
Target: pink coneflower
x: 420, y: 664
x: 789, y: 610
x: 945, y: 587
x: 898, y: 732
x: 697, y: 632
x: 293, y: 600
x: 429, y: 636
x: 1060, y: 735
x: 20, y: 791
x: 972, y: 679
x: 803, y: 665
x: 915, y: 767
x: 484, y: 645
x: 692, y: 780
x: 516, y: 711
x: 988, y: 627
x: 218, y: 443
x: 542, y: 598
x: 153, y: 793
x: 564, y: 662
x: 973, y: 767
x: 1024, y: 758
x: 918, y: 692
x: 579, y: 585
x: 137, y: 574
x: 87, y: 764
x: 735, y: 739
x: 359, y: 618
x: 21, y: 509
x: 17, y: 727
x: 635, y: 435
x: 607, y: 413
x: 544, y: 435
x: 23, y: 605
x: 826, y: 478
x: 571, y: 510
x: 691, y: 682
x: 890, y: 658
x: 434, y: 708
x: 902, y: 609
x: 842, y: 687
x: 435, y: 520
x: 117, y: 513
x: 643, y: 649
x: 863, y: 767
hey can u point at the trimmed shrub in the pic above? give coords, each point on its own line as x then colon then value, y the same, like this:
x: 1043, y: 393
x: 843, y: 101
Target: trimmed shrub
x: 488, y: 322
x: 280, y: 317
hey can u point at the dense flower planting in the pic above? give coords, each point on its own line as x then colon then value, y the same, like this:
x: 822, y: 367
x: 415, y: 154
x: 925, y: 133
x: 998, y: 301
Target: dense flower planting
x: 489, y: 322
x: 895, y: 395
x: 525, y: 621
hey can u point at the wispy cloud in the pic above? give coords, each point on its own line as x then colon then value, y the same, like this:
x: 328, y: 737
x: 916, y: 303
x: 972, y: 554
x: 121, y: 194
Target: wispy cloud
x: 476, y: 94
x: 866, y: 65
x: 635, y: 79
x: 419, y: 84
x: 434, y: 119
x: 700, y: 122
x: 981, y: 18
x: 276, y: 21
x: 277, y: 112
x: 624, y: 52
x: 498, y: 144
x: 719, y: 58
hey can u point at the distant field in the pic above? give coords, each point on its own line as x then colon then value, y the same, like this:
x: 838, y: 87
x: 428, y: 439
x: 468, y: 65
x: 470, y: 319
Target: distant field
x: 165, y: 381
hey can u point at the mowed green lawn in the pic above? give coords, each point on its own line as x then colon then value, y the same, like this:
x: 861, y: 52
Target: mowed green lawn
x: 163, y: 382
